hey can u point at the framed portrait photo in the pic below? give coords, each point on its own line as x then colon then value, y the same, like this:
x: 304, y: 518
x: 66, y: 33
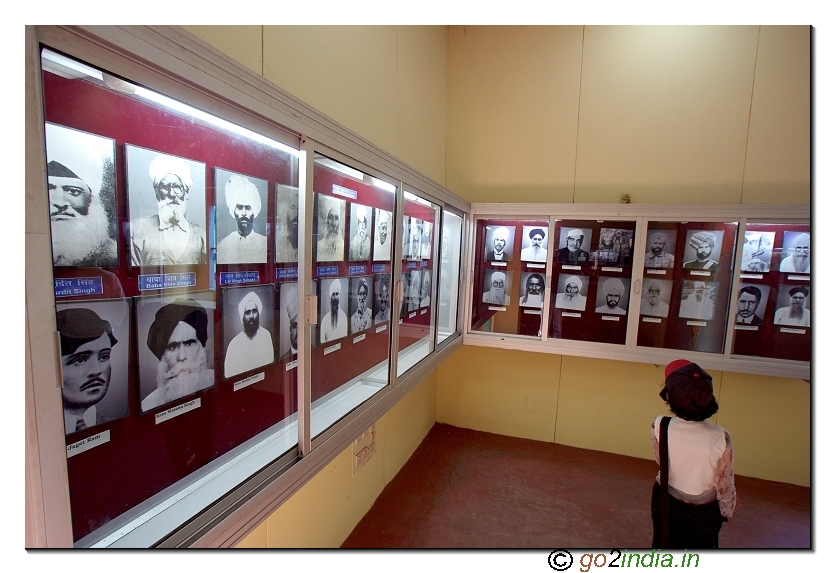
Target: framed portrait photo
x: 167, y: 201
x: 534, y: 244
x: 612, y: 295
x: 571, y: 292
x: 333, y: 309
x: 499, y: 243
x: 330, y: 229
x: 175, y: 346
x: 382, y: 234
x: 797, y: 252
x: 241, y: 212
x: 382, y: 298
x: 248, y: 328
x: 81, y: 179
x: 95, y: 352
x: 286, y: 224
x: 360, y: 304
x: 359, y: 246
x: 655, y: 297
x: 703, y: 250
x: 756, y: 252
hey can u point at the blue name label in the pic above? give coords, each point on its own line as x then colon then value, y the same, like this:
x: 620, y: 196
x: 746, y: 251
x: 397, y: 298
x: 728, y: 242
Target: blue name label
x: 380, y: 268
x: 82, y: 286
x: 291, y: 273
x: 412, y: 266
x: 170, y: 280
x: 344, y: 191
x: 327, y: 271
x: 424, y: 263
x: 357, y: 270
x: 239, y: 278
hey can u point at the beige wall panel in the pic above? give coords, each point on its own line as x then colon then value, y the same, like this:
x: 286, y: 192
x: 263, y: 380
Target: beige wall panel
x: 512, y: 112
x: 422, y: 98
x: 664, y: 113
x: 241, y: 43
x: 406, y: 424
x: 778, y: 166
x: 328, y: 507
x: 255, y: 540
x: 505, y: 392
x: 347, y: 72
x: 769, y: 421
x: 609, y: 405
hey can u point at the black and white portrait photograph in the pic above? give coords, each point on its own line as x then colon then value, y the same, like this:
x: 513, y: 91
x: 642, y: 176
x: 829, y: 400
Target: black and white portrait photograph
x: 288, y: 321
x: 612, y: 296
x: 241, y: 221
x: 175, y: 342
x: 573, y: 247
x: 95, y: 351
x: 361, y: 297
x: 661, y: 248
x: 330, y: 225
x: 359, y: 247
x: 167, y: 199
x: 534, y: 244
x: 248, y: 327
x: 793, y: 306
x: 499, y: 243
x: 413, y: 293
x: 698, y: 299
x: 425, y: 288
x: 751, y: 301
x: 403, y: 308
x: 797, y: 253
x: 333, y: 306
x: 532, y: 288
x: 655, y: 297
x: 614, y: 247
x: 81, y: 178
x: 572, y: 291
x: 382, y: 235
x: 703, y: 250
x: 426, y: 241
x: 756, y: 252
x: 414, y: 240
x: 382, y: 298
x: 286, y: 224
x: 496, y: 288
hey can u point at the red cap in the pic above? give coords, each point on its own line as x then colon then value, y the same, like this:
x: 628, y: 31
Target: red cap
x: 675, y: 365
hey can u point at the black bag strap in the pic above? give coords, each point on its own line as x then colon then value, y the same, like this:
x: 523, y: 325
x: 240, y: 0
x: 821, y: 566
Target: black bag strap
x: 664, y: 454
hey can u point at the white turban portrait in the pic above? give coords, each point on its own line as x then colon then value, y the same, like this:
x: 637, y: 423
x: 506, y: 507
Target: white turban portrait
x: 497, y: 276
x: 292, y: 302
x: 575, y: 233
x: 613, y: 285
x: 241, y: 191
x: 335, y: 287
x: 501, y: 233
x: 575, y: 280
x: 163, y: 165
x: 248, y: 300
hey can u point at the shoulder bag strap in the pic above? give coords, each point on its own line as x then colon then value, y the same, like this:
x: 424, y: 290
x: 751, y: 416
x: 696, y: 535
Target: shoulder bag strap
x: 665, y: 478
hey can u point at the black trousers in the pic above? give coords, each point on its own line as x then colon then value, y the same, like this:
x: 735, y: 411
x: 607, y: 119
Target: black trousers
x: 692, y: 526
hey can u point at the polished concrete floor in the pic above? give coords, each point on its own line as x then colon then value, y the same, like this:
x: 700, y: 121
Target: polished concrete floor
x: 467, y: 489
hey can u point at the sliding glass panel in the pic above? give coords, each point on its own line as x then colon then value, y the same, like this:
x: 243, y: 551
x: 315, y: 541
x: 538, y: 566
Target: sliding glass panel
x: 449, y: 281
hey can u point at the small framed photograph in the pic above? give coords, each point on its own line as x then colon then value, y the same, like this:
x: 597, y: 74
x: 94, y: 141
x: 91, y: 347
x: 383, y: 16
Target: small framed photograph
x: 288, y: 321
x: 797, y: 253
x: 425, y: 288
x: 333, y: 305
x: 499, y: 243
x: 574, y: 246
x: 330, y: 229
x: 95, y: 351
x: 614, y: 247
x: 167, y: 200
x: 241, y: 221
x: 756, y: 252
x: 703, y: 250
x: 655, y: 297
x: 534, y: 244
x: 359, y: 247
x: 662, y: 249
x: 496, y: 286
x: 286, y: 224
x: 413, y: 294
x: 426, y: 241
x: 698, y: 300
x: 793, y: 306
x: 382, y: 298
x: 382, y: 235
x: 414, y: 240
x: 532, y: 287
x: 248, y: 328
x: 81, y: 177
x: 361, y: 297
x: 751, y: 302
x: 571, y: 292
x: 175, y: 336
x: 612, y: 296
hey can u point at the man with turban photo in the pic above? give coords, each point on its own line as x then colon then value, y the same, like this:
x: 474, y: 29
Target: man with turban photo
x: 253, y: 346
x: 703, y: 242
x: 495, y: 294
x: 612, y: 291
x: 168, y: 237
x: 334, y: 323
x: 573, y: 252
x: 359, y: 248
x: 178, y: 337
x: 571, y: 299
x: 243, y: 245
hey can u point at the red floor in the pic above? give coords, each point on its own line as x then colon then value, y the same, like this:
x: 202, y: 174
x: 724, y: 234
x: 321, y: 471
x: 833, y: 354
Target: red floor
x: 467, y: 489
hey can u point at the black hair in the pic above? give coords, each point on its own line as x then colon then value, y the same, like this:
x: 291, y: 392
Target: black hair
x: 690, y: 411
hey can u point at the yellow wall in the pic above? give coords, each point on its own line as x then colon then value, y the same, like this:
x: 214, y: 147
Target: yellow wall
x: 668, y: 115
x: 388, y: 84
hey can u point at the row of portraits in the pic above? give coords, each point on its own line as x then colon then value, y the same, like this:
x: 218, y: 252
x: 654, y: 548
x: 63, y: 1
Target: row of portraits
x: 614, y: 246
x: 167, y: 211
x: 176, y: 338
